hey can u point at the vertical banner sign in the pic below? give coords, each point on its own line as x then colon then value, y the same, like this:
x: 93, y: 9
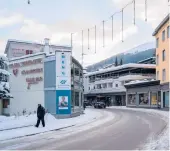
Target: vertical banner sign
x: 63, y: 82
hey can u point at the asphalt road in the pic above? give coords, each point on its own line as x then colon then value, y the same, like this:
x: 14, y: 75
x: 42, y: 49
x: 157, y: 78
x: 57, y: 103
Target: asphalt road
x: 129, y: 130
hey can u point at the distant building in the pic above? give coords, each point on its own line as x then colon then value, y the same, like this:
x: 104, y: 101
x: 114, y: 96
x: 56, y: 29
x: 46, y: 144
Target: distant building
x: 162, y: 35
x: 108, y: 84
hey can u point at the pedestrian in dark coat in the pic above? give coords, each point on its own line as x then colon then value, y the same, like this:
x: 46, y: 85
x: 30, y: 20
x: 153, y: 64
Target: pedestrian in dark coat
x: 40, y: 115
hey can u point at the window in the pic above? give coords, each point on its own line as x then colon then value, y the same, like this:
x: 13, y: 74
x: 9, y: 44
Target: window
x: 163, y: 75
x: 157, y: 75
x: 157, y: 42
x: 76, y: 98
x: 154, y: 98
x: 163, y: 55
x: 132, y: 99
x: 143, y: 99
x: 168, y: 32
x: 89, y: 88
x: 116, y: 85
x: 157, y: 60
x: 163, y: 35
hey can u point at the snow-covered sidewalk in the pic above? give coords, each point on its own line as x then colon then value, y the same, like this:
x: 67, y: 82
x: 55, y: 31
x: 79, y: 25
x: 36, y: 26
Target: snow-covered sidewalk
x: 51, y: 124
x: 163, y: 142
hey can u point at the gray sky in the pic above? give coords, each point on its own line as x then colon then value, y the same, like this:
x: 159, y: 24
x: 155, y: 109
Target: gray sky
x: 57, y: 19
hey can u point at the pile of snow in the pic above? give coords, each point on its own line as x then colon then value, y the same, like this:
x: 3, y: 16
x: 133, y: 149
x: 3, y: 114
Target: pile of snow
x: 163, y: 142
x: 26, y: 124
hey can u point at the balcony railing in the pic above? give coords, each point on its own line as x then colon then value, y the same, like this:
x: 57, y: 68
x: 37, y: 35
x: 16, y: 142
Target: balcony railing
x: 118, y: 76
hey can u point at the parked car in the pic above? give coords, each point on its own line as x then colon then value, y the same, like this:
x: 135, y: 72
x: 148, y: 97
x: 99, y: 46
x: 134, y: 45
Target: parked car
x: 100, y: 105
x: 87, y: 103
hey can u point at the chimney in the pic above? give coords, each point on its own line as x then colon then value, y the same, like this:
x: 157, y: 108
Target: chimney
x: 47, y: 46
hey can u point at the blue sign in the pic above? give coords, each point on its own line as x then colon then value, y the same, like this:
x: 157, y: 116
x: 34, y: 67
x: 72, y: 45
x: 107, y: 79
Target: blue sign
x: 63, y: 101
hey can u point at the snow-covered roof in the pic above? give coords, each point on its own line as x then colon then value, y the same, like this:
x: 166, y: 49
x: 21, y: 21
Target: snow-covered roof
x: 139, y: 81
x: 161, y: 24
x: 129, y: 65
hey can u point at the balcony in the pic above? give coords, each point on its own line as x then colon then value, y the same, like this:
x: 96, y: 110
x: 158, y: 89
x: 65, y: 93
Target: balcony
x: 123, y: 77
x: 106, y: 90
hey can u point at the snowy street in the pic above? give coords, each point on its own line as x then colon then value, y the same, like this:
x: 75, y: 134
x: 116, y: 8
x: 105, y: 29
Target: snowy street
x: 113, y: 128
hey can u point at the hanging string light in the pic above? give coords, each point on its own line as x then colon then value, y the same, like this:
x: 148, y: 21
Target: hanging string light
x: 95, y: 37
x: 145, y: 10
x: 122, y: 25
x: 134, y: 11
x: 112, y: 27
x: 71, y: 42
x: 88, y: 38
x: 103, y: 34
x: 82, y: 46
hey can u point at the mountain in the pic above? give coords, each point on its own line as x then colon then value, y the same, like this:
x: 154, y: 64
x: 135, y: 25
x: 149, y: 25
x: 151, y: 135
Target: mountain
x: 133, y: 55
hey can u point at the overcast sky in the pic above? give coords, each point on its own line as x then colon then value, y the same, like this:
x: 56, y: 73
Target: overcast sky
x: 56, y: 19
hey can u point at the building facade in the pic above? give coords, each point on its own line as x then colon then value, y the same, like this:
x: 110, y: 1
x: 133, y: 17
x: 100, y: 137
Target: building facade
x: 162, y: 35
x: 34, y: 68
x: 145, y: 93
x: 108, y: 84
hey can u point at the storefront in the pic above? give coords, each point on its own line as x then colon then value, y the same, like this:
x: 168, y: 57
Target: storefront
x: 143, y: 94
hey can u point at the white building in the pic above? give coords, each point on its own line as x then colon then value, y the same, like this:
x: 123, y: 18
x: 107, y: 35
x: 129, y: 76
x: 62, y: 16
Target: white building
x: 108, y: 84
x: 33, y: 81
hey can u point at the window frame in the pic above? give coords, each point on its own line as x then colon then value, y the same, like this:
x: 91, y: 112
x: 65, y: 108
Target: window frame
x: 163, y: 35
x: 164, y: 75
x: 163, y: 55
x: 168, y: 32
x: 157, y: 75
x: 157, y: 59
x: 157, y: 42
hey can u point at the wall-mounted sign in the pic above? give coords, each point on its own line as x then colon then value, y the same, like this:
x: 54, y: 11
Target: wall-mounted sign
x: 63, y: 82
x: 26, y: 63
x: 16, y: 52
x: 32, y: 71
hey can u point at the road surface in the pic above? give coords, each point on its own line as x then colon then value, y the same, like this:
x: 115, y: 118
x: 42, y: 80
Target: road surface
x: 129, y: 130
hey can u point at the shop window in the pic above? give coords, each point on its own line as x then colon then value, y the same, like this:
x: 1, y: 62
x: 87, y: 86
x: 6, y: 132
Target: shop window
x: 132, y: 99
x: 144, y: 99
x: 154, y: 99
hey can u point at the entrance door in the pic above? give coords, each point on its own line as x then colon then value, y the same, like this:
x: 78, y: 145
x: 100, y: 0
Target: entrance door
x: 5, y: 110
x: 166, y: 99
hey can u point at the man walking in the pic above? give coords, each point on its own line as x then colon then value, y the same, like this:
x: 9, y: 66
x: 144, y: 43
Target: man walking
x: 40, y: 115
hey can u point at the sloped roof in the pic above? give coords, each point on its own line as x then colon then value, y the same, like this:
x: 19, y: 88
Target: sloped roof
x: 160, y: 25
